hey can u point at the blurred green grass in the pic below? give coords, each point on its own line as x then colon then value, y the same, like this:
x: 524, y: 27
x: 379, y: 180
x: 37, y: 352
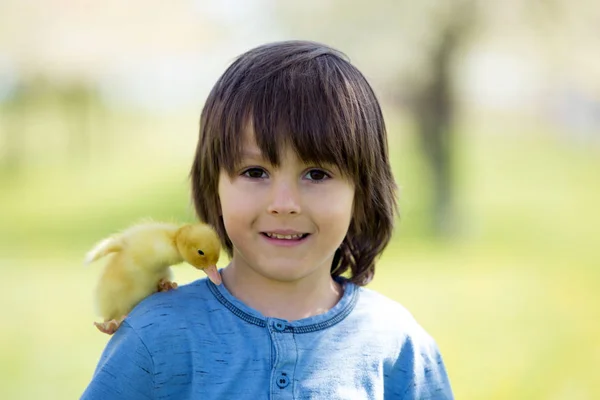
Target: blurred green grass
x: 512, y: 301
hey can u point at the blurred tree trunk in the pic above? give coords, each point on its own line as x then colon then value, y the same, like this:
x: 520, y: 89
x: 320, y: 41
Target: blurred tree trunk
x: 433, y: 108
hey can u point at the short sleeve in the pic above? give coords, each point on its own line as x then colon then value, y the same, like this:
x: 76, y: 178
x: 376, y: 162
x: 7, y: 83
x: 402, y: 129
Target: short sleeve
x: 125, y: 369
x: 431, y: 381
x: 421, y: 366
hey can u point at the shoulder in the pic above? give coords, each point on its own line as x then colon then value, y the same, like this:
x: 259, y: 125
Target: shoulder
x: 163, y: 310
x: 379, y: 310
x: 414, y: 354
x: 396, y: 327
x: 392, y: 319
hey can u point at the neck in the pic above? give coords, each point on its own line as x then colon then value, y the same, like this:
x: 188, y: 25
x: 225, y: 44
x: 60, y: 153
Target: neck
x: 293, y: 300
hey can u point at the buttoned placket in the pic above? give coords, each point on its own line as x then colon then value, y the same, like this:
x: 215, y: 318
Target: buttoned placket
x: 285, y: 356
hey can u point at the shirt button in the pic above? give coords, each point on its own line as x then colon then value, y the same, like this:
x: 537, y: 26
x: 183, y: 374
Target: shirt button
x: 282, y: 380
x: 280, y: 326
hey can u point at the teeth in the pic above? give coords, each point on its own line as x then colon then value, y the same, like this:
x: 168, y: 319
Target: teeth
x: 287, y: 237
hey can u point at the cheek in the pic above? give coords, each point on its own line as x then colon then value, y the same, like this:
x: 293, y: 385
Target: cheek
x: 236, y: 203
x: 336, y: 209
x: 235, y: 208
x: 341, y: 213
x: 227, y: 195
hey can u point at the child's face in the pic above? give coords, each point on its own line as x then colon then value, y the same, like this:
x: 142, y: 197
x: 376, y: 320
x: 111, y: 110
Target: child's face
x: 260, y: 200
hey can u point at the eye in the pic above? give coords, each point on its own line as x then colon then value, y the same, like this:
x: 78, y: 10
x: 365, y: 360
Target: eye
x: 255, y: 173
x: 200, y: 252
x: 317, y: 175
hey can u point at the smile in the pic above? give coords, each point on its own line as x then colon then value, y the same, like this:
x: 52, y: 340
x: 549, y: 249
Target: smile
x: 296, y: 236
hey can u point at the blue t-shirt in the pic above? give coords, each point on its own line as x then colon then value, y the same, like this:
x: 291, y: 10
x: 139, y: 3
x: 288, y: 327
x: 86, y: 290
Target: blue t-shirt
x: 200, y: 342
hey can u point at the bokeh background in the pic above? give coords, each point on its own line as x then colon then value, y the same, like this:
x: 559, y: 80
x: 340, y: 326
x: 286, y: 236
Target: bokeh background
x: 493, y: 111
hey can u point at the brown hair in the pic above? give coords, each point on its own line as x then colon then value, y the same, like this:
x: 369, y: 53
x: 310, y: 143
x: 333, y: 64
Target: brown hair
x: 309, y: 96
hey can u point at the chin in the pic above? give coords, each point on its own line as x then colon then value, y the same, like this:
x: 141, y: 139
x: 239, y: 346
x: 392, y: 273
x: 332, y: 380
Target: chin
x: 284, y: 272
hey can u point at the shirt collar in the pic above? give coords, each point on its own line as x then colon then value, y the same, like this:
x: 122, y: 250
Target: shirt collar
x: 317, y: 322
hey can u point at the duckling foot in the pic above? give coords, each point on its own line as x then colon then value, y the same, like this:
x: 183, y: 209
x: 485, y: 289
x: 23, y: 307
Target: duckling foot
x: 165, y: 285
x: 109, y: 327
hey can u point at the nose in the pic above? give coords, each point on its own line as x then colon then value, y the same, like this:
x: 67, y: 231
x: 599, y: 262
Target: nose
x: 284, y: 199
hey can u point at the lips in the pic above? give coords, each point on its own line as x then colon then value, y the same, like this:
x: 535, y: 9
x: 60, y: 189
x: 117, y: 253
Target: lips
x: 281, y: 236
x: 284, y: 234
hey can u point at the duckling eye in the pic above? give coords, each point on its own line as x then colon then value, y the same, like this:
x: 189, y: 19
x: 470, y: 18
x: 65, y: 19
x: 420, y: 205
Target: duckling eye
x: 200, y: 252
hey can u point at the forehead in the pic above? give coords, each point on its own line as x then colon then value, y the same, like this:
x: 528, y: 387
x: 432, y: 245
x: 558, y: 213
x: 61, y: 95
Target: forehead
x: 248, y: 141
x: 250, y: 148
x: 277, y: 149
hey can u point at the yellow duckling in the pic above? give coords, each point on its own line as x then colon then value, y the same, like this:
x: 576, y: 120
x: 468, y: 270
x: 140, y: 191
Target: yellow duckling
x: 141, y: 264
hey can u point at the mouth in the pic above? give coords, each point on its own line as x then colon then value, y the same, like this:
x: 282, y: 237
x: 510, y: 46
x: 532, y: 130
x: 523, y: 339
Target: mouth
x: 287, y: 236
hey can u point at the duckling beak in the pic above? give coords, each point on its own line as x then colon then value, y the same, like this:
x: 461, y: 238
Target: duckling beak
x: 213, y: 274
